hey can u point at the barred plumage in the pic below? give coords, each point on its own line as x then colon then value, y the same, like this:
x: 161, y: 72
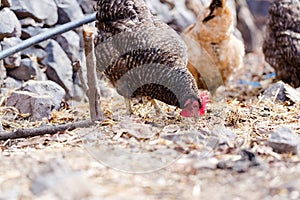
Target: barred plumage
x: 282, y: 43
x: 141, y: 55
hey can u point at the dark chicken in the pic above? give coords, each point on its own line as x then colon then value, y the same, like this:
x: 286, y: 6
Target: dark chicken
x: 142, y: 56
x: 282, y: 43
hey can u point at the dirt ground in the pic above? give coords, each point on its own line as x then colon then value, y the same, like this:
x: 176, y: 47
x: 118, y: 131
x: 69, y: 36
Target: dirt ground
x: 223, y: 155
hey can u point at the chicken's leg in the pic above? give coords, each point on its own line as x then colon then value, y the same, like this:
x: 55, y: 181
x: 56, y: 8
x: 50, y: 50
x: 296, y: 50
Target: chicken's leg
x: 128, y: 106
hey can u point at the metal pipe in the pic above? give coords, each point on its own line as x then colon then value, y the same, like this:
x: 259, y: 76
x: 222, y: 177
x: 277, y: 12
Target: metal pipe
x: 46, y: 35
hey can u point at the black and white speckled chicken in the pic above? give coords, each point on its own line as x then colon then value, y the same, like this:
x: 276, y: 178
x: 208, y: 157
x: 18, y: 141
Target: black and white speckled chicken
x: 282, y: 42
x: 142, y: 56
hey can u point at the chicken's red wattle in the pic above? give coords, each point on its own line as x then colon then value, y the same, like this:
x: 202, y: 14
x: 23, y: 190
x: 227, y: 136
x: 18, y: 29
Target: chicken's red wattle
x: 204, y: 101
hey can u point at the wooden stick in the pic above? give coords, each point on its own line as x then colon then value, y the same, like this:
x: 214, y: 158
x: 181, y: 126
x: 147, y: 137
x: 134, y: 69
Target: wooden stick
x: 31, y: 132
x: 78, y: 67
x: 93, y: 91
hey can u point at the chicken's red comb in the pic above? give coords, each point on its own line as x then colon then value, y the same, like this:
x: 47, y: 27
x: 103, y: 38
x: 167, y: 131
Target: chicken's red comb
x: 204, y: 100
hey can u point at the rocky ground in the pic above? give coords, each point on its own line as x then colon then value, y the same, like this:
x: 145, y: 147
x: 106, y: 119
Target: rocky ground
x: 174, y: 158
x: 245, y: 147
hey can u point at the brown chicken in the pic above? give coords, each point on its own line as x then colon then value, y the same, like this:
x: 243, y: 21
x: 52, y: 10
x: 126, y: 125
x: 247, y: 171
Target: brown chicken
x: 214, y: 52
x: 142, y: 56
x: 282, y: 42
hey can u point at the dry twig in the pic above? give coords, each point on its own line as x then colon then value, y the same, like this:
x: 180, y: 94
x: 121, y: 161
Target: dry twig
x: 31, y: 132
x: 77, y: 65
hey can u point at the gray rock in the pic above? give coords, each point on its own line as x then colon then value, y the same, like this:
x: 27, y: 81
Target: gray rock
x: 43, y: 44
x: 49, y: 88
x: 246, y: 24
x: 224, y: 135
x: 26, y: 71
x: 31, y: 31
x: 276, y: 92
x: 11, y: 83
x: 38, y: 53
x: 70, y: 42
x: 59, y: 67
x: 224, y: 132
x: 44, y: 11
x: 160, y: 9
x: 41, y: 108
x: 260, y: 10
x: 28, y: 21
x: 68, y: 10
x: 282, y: 92
x: 247, y: 160
x: 213, y: 142
x: 173, y: 12
x: 292, y: 93
x: 9, y: 24
x: 14, y: 60
x: 27, y: 102
x: 284, y: 140
x: 86, y: 6
x: 12, y: 193
x: 79, y: 94
x: 183, y: 138
x: 56, y: 183
x: 80, y: 33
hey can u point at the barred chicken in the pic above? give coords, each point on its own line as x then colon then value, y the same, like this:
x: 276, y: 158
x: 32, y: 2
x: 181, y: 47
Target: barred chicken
x: 282, y: 42
x: 212, y: 46
x: 142, y: 56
